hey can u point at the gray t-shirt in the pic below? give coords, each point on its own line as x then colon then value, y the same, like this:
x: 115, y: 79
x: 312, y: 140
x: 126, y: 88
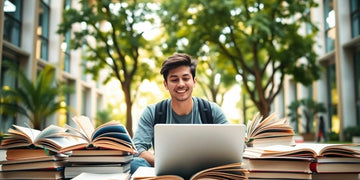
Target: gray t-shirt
x: 145, y: 132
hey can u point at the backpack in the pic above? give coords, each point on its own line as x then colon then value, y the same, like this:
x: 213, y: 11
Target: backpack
x: 203, y: 105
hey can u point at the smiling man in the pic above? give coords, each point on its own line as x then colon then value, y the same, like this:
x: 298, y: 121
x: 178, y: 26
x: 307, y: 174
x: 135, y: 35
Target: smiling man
x: 182, y: 108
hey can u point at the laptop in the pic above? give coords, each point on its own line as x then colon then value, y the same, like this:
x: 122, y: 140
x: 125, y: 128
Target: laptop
x: 185, y: 149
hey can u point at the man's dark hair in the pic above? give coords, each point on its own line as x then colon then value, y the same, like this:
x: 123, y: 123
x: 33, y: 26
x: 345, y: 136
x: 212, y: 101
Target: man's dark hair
x: 177, y: 60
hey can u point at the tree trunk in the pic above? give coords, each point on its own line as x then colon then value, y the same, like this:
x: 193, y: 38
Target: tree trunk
x: 127, y: 94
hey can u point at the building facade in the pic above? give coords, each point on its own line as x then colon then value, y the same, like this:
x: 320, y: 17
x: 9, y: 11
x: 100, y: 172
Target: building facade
x: 29, y: 39
x: 337, y: 47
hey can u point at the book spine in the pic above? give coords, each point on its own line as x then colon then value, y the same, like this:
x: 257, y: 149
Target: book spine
x: 313, y: 166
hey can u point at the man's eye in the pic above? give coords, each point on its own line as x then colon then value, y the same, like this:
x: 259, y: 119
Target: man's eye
x: 173, y: 80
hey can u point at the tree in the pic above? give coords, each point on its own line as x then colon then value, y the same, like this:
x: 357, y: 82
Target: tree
x: 113, y: 38
x: 261, y: 39
x: 309, y: 108
x: 293, y: 114
x: 35, y: 100
x: 214, y: 77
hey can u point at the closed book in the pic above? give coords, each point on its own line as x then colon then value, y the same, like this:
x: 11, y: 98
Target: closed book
x: 98, y: 152
x: 26, y: 153
x: 35, y: 174
x: 33, y: 165
x: 35, y: 159
x: 73, y: 171
x: 277, y: 175
x: 278, y: 165
x: 335, y: 167
x: 336, y: 176
x: 100, y: 159
x: 338, y: 159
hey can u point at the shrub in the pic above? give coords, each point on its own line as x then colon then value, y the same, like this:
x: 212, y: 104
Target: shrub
x: 351, y: 131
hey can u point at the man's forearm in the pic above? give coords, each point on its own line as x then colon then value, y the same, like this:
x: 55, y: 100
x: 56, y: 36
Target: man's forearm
x: 148, y: 156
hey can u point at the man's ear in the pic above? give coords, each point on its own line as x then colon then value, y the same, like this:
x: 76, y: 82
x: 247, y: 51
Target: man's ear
x: 195, y: 80
x: 165, y: 85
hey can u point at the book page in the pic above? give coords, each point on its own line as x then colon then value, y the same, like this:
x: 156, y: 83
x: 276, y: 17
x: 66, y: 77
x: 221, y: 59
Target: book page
x: 148, y: 173
x: 28, y: 133
x: 51, y: 131
x: 85, y: 125
x: 108, y: 176
x: 229, y: 171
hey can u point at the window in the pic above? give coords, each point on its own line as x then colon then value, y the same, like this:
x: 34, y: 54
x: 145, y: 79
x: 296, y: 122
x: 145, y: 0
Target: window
x: 357, y: 85
x: 330, y: 31
x: 43, y: 30
x: 66, y: 51
x: 65, y: 44
x: 355, y: 17
x: 333, y: 97
x: 6, y: 81
x: 12, y: 23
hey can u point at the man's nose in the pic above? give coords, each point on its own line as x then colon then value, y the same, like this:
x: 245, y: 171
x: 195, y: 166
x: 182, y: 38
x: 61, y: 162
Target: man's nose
x: 181, y: 82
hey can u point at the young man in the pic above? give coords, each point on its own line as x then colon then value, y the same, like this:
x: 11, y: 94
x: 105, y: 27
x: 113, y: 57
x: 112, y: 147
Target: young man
x: 179, y: 79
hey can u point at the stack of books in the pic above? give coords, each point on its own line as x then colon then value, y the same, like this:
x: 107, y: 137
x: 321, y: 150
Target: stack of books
x: 35, y: 154
x: 108, y: 149
x: 303, y: 161
x: 98, y: 162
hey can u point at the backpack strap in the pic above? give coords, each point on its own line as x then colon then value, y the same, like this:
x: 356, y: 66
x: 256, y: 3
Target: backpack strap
x: 160, y: 112
x: 205, y: 111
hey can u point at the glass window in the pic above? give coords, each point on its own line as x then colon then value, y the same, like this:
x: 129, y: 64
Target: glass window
x: 330, y: 31
x: 333, y: 98
x: 12, y: 22
x: 66, y: 52
x: 6, y: 81
x: 43, y: 30
x: 357, y: 85
x: 66, y: 43
x: 355, y: 17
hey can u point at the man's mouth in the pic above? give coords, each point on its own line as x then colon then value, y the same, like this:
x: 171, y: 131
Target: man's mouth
x: 181, y: 91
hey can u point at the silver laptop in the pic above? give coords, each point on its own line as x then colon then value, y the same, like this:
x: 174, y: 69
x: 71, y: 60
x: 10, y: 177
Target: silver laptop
x: 184, y: 149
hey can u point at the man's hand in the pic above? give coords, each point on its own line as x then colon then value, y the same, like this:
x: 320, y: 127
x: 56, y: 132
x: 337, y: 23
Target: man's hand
x: 148, y: 156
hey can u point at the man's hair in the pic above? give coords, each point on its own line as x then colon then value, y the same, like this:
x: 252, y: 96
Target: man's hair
x: 177, y: 60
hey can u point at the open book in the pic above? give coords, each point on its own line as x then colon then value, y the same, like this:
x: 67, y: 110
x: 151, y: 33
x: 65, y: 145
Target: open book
x: 51, y: 138
x: 304, y: 150
x: 111, y: 135
x: 230, y: 171
x: 269, y: 131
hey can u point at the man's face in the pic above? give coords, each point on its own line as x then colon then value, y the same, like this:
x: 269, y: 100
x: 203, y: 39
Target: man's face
x: 180, y: 83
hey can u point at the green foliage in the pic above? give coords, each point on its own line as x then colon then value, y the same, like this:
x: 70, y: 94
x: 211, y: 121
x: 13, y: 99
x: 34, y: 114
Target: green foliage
x: 108, y: 114
x: 214, y: 77
x: 333, y: 136
x: 110, y: 32
x: 294, y: 115
x: 259, y: 39
x: 309, y: 108
x: 35, y: 100
x: 351, y: 131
